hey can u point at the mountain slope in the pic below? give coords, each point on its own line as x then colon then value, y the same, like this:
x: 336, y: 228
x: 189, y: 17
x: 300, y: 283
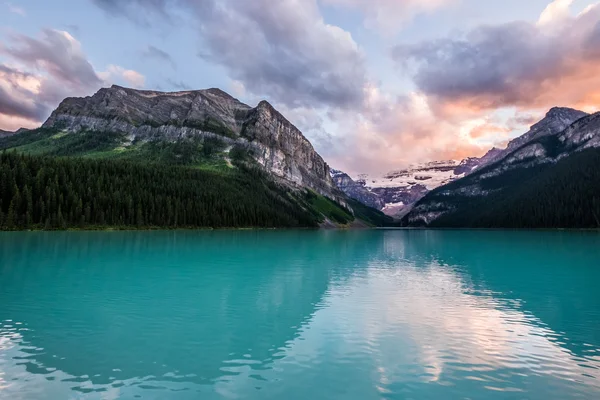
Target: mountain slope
x: 198, y: 152
x: 550, y: 180
x: 138, y: 117
x: 555, y: 121
x: 356, y: 190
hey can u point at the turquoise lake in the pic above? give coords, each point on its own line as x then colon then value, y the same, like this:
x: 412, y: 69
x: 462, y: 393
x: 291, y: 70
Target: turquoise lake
x: 300, y: 315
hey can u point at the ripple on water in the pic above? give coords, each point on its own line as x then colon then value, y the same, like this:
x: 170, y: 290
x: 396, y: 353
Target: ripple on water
x: 363, y: 315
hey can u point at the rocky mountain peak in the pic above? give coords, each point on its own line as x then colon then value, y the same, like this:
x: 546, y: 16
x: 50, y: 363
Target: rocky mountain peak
x: 565, y: 112
x: 557, y: 119
x: 149, y: 115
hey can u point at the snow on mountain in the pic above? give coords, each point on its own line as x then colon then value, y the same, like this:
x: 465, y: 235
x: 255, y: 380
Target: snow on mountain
x: 430, y: 175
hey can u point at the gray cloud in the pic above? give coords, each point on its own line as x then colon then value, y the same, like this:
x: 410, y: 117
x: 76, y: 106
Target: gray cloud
x: 64, y: 69
x: 160, y: 55
x: 514, y: 64
x: 59, y: 54
x: 283, y: 49
x: 15, y: 101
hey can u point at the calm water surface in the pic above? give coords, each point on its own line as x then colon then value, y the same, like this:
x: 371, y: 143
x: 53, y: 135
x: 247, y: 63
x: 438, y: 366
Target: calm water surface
x: 300, y: 315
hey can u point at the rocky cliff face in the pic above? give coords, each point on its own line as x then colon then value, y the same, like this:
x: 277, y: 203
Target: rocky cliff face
x: 548, y: 141
x: 142, y: 115
x: 357, y: 190
x: 284, y: 151
x: 555, y: 121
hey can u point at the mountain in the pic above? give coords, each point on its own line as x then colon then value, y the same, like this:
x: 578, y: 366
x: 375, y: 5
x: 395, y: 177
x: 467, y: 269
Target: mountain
x: 143, y: 116
x: 549, y: 177
x: 555, y: 121
x: 400, y: 190
x: 4, y: 133
x: 396, y: 192
x: 356, y: 190
x: 204, y: 158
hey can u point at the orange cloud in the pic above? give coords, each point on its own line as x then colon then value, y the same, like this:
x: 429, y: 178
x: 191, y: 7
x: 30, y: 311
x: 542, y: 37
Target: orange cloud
x: 486, y: 130
x: 393, y: 133
x: 518, y: 64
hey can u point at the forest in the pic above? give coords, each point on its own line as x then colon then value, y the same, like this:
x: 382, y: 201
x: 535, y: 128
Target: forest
x: 43, y: 192
x: 561, y: 195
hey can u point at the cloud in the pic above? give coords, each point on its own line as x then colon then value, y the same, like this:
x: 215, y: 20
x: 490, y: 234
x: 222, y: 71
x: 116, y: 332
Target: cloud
x: 16, y: 9
x: 43, y: 71
x: 160, y: 55
x: 389, y: 16
x: 282, y: 49
x: 515, y: 64
x: 392, y: 132
x: 58, y: 53
x: 17, y: 92
x: 557, y: 11
x: 237, y: 88
x: 116, y: 72
x: 315, y: 73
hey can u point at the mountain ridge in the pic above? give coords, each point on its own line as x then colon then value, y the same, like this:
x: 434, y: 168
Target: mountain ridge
x: 146, y: 115
x: 402, y: 189
x: 532, y: 157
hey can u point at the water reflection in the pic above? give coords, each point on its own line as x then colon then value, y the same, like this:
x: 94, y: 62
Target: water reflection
x: 299, y: 314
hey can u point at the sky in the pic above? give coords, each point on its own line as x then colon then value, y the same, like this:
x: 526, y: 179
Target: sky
x: 375, y: 85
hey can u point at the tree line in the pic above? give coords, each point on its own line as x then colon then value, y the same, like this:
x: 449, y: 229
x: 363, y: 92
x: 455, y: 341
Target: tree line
x: 561, y: 195
x: 41, y: 192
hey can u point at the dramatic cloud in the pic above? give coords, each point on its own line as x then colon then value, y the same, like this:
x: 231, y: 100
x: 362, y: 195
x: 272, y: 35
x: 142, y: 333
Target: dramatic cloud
x: 283, y: 49
x: 518, y: 64
x: 58, y: 53
x: 45, y: 70
x: 17, y: 90
x: 160, y: 55
x: 393, y: 132
x: 388, y: 16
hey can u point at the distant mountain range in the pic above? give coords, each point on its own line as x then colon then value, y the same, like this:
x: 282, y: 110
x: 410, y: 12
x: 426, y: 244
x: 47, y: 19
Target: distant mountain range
x: 416, y: 193
x: 547, y: 178
x: 397, y: 191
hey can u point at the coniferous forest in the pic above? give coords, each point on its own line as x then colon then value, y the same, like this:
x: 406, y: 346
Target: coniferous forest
x: 561, y: 195
x: 41, y: 192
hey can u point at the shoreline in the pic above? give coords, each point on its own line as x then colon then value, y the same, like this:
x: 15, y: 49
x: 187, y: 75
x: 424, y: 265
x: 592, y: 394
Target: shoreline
x: 343, y: 228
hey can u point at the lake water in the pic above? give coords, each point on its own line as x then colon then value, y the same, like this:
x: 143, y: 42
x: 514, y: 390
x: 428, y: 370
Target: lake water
x: 300, y: 315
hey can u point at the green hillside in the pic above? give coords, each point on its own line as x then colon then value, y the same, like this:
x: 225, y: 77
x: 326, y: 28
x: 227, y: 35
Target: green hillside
x: 53, y: 180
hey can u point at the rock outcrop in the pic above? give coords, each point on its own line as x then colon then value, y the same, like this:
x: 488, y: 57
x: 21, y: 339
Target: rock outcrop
x: 143, y: 115
x: 555, y: 121
x: 357, y: 190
